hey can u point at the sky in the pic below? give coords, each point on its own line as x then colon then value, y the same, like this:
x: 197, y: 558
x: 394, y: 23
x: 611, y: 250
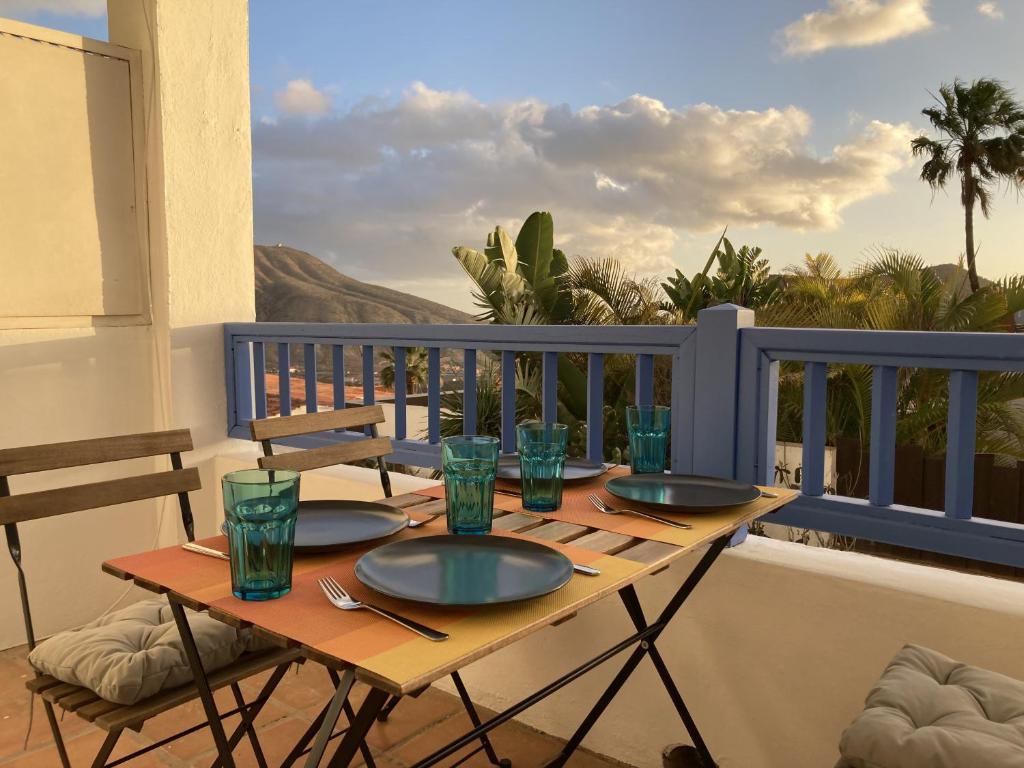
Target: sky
x: 384, y: 132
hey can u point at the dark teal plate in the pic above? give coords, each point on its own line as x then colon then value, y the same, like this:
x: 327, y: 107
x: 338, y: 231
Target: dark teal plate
x: 680, y: 493
x: 464, y: 570
x: 575, y: 469
x: 324, y: 526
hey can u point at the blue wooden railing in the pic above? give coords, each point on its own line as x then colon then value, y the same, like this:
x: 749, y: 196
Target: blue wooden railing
x: 724, y: 403
x: 952, y: 531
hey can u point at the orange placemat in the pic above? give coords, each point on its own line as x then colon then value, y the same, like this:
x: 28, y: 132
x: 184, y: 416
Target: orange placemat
x: 383, y: 650
x: 576, y: 509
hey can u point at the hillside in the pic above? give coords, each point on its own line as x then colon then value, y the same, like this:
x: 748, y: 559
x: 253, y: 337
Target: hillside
x: 295, y: 286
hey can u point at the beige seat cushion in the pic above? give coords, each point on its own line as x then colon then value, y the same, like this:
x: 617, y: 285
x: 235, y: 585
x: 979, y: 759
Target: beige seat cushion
x: 135, y: 652
x: 928, y: 711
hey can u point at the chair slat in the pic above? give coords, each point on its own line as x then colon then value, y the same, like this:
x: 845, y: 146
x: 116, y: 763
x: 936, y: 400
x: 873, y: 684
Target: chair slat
x: 78, y: 453
x: 41, y: 683
x: 340, y: 453
x: 309, y: 423
x: 58, y: 501
x: 58, y: 692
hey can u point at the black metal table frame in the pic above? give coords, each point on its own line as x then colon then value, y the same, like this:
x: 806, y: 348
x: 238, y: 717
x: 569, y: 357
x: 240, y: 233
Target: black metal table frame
x: 353, y: 738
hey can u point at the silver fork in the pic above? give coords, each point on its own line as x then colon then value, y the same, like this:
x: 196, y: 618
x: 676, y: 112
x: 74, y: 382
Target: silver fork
x: 424, y: 521
x: 598, y: 502
x: 339, y: 598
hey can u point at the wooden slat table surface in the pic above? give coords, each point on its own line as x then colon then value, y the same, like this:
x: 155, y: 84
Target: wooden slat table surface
x: 388, y: 656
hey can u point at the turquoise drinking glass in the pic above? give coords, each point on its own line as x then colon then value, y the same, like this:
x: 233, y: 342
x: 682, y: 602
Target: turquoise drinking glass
x: 648, y: 437
x: 541, y: 448
x: 260, y: 507
x: 469, y: 463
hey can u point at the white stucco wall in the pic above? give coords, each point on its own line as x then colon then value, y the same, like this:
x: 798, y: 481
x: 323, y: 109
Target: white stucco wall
x: 90, y: 378
x: 774, y: 652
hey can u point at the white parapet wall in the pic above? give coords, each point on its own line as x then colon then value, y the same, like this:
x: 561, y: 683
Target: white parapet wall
x: 774, y: 652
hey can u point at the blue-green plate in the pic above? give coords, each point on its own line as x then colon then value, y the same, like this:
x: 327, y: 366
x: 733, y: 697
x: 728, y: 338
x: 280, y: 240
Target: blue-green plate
x: 464, y: 570
x: 682, y: 493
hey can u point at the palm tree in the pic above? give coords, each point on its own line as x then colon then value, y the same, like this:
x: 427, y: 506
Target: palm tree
x: 981, y: 129
x: 415, y: 368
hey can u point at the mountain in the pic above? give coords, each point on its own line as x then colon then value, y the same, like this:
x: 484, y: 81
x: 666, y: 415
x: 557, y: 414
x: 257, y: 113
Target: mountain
x: 295, y: 286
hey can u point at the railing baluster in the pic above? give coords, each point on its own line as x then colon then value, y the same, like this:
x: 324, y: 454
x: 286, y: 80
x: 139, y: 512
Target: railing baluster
x: 960, y: 439
x: 768, y: 413
x: 338, y: 375
x: 369, y: 390
x: 549, y: 386
x: 882, y: 466
x: 813, y: 460
x: 508, y: 401
x: 434, y: 395
x: 469, y: 392
x: 259, y: 379
x: 644, y: 379
x: 309, y: 362
x: 243, y: 384
x: 284, y: 379
x: 400, y: 392
x: 595, y: 406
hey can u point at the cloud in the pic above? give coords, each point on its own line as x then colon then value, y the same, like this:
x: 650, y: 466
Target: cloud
x: 392, y: 185
x: 59, y: 7
x: 992, y: 10
x: 301, y: 98
x: 855, y: 23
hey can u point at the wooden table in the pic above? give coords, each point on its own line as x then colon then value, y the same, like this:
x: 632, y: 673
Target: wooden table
x: 358, y: 645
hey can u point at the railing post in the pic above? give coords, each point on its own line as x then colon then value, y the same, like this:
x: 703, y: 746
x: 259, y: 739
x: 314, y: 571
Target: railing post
x: 716, y: 388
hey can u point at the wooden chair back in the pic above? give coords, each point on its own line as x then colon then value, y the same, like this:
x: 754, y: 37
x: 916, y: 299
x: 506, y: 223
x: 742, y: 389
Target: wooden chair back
x: 357, y: 449
x: 19, y: 508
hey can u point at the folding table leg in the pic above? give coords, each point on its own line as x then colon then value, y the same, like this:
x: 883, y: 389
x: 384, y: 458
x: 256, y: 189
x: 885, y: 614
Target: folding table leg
x: 485, y: 740
x: 647, y: 648
x: 247, y: 724
x: 202, y: 683
x: 358, y: 729
x: 344, y: 685
x: 254, y: 710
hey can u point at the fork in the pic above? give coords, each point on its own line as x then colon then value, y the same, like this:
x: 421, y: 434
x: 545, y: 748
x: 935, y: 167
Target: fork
x: 598, y: 502
x: 339, y: 598
x: 424, y: 521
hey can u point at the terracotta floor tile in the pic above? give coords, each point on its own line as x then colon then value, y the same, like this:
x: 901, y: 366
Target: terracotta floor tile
x: 190, y: 714
x: 83, y: 748
x: 416, y: 728
x: 412, y: 716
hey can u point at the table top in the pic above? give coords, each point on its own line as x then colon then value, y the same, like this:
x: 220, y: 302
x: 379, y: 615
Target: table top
x: 390, y: 657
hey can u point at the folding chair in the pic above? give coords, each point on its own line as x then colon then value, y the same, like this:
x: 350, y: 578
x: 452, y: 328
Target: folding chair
x: 14, y: 509
x: 325, y: 453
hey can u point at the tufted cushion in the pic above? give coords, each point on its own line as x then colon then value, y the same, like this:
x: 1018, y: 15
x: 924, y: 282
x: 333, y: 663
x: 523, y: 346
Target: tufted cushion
x: 133, y: 653
x: 928, y: 711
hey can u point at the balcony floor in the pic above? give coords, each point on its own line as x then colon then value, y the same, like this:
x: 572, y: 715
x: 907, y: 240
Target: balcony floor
x: 415, y: 728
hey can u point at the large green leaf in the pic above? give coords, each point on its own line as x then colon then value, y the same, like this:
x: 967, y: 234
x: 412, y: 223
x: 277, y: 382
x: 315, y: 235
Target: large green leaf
x: 500, y: 248
x: 534, y: 247
x: 495, y: 287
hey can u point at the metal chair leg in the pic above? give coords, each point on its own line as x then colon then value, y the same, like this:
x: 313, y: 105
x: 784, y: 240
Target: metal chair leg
x: 108, y: 746
x: 58, y: 740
